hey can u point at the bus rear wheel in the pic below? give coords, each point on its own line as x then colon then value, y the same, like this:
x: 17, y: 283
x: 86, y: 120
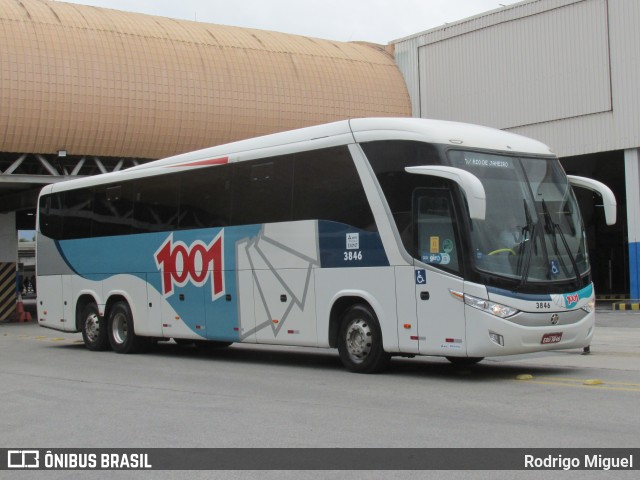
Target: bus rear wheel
x: 360, y: 341
x: 94, y: 328
x: 122, y: 335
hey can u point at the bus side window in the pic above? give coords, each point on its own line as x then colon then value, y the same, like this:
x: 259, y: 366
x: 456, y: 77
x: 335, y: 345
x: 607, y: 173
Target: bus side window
x: 112, y: 210
x: 156, y: 204
x: 205, y: 197
x: 327, y: 187
x: 78, y: 212
x: 262, y: 191
x: 50, y: 216
x: 435, y: 240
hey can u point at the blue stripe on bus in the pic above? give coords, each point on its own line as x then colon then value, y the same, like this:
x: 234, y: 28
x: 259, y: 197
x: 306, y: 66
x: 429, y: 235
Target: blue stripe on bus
x: 146, y: 256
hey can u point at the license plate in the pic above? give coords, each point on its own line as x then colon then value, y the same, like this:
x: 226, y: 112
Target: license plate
x: 548, y: 338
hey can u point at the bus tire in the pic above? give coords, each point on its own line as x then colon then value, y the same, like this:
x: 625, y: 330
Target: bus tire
x: 93, y: 328
x: 122, y: 335
x: 464, y: 360
x: 360, y: 341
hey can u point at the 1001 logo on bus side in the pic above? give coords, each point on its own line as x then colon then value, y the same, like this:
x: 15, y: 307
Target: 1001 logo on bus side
x: 181, y: 264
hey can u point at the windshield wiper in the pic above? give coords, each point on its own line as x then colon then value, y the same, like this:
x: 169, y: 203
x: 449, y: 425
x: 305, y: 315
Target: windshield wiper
x: 552, y: 227
x: 529, y: 228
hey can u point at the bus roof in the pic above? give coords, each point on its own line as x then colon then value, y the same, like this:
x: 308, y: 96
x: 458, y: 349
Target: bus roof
x: 368, y: 129
x: 332, y: 134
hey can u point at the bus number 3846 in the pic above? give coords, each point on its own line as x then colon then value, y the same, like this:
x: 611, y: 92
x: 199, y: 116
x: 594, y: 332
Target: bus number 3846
x: 352, y: 255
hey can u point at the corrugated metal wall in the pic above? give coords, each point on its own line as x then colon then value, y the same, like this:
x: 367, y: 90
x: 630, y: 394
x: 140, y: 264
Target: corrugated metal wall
x: 563, y: 71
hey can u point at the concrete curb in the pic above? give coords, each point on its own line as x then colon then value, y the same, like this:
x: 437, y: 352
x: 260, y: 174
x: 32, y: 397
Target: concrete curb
x: 628, y: 305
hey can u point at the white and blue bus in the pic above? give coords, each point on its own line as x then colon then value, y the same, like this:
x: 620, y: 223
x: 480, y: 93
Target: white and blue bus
x: 378, y: 237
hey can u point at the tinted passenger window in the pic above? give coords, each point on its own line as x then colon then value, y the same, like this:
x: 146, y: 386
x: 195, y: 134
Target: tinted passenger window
x: 50, y: 221
x: 156, y: 204
x: 262, y: 191
x: 78, y: 211
x: 327, y: 187
x: 205, y: 197
x: 113, y: 210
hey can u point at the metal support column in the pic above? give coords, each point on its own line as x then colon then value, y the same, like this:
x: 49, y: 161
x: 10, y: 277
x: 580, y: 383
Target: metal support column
x: 632, y: 181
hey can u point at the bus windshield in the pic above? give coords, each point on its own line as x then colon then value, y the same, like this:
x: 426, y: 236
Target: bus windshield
x: 533, y: 230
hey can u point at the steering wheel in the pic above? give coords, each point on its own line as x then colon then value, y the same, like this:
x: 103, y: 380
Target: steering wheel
x: 502, y: 250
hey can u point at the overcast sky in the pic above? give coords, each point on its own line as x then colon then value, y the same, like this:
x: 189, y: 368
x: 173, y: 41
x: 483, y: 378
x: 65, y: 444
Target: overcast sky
x: 378, y: 21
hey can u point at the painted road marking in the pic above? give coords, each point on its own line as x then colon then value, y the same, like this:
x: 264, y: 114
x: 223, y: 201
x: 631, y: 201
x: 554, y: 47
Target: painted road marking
x: 43, y: 338
x: 593, y: 384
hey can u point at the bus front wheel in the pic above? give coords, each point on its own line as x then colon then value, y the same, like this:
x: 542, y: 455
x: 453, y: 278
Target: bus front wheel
x: 360, y: 341
x: 122, y: 335
x: 94, y: 328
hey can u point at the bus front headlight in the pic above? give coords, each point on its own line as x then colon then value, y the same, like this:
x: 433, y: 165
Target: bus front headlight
x: 497, y: 309
x: 590, y: 306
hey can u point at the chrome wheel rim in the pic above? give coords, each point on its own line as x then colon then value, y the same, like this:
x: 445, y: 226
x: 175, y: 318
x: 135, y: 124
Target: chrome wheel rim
x: 358, y: 340
x: 92, y: 327
x: 120, y: 328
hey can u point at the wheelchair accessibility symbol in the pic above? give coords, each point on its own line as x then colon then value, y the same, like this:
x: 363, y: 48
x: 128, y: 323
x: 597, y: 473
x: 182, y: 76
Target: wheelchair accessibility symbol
x: 421, y: 277
x: 554, y: 267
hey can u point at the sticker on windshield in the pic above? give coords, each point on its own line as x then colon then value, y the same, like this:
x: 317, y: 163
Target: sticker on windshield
x: 447, y: 245
x: 554, y: 267
x: 488, y: 161
x: 437, y: 258
x: 434, y: 244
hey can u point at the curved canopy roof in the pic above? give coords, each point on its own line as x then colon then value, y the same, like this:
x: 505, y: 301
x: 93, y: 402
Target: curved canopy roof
x: 102, y: 82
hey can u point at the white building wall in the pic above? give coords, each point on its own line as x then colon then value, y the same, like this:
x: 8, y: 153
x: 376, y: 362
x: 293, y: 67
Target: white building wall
x: 565, y: 72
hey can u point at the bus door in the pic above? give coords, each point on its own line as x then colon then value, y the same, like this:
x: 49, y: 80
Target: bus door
x: 441, y: 321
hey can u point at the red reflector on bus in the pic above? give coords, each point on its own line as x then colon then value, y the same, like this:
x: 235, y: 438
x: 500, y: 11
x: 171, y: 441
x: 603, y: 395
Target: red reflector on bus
x: 202, y: 163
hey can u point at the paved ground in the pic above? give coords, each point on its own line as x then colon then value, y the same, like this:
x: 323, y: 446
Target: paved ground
x: 62, y: 395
